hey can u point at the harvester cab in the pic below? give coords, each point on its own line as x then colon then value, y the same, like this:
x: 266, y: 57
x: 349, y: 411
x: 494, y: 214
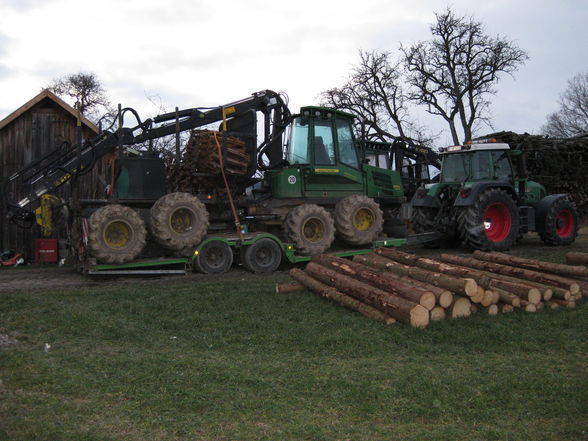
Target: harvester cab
x: 485, y: 200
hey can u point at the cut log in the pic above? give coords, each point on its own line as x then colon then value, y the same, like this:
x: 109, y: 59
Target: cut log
x: 437, y: 313
x: 401, y: 309
x: 533, y: 264
x: 528, y: 306
x: 459, y: 285
x: 540, y: 305
x: 565, y: 303
x: 498, y: 268
x: 491, y: 310
x: 331, y: 293
x: 508, y: 298
x: 551, y: 304
x: 365, y: 274
x: 505, y: 308
x: 284, y: 288
x: 461, y: 307
x: 473, y: 308
x: 521, y: 289
x: 488, y: 298
x: 444, y: 297
x: 577, y: 258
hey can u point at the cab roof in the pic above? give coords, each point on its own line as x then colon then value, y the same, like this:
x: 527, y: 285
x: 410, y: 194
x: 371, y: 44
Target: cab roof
x: 474, y: 147
x: 324, y: 111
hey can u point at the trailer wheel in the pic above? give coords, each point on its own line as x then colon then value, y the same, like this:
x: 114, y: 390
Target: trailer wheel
x: 116, y: 234
x: 491, y: 223
x: 358, y: 220
x: 310, y: 227
x: 264, y: 256
x: 178, y: 221
x: 561, y: 223
x: 215, y: 257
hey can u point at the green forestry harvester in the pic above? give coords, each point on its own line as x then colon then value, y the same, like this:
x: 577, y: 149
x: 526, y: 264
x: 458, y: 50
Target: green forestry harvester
x: 319, y: 186
x: 484, y: 202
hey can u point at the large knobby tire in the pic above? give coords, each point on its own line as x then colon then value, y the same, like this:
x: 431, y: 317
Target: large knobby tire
x: 310, y: 228
x: 491, y: 223
x: 178, y: 221
x: 561, y: 223
x: 116, y: 234
x: 262, y: 257
x: 358, y: 220
x: 215, y: 257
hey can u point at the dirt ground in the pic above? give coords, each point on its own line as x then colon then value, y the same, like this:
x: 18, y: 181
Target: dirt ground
x: 51, y: 277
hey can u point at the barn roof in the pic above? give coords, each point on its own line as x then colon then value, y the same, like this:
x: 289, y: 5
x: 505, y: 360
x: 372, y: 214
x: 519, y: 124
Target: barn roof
x: 46, y: 94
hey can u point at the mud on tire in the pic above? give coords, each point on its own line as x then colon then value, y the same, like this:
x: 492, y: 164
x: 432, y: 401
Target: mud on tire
x: 116, y: 234
x: 358, y: 220
x: 491, y: 223
x: 561, y: 223
x: 178, y: 221
x: 310, y: 227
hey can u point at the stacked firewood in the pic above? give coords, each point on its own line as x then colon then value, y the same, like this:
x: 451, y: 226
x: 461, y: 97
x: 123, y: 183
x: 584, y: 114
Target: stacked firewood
x: 200, y: 166
x: 390, y: 285
x: 557, y: 163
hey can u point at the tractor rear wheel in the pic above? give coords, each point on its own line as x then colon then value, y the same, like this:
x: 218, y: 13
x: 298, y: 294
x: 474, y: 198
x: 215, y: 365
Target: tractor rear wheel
x: 116, y: 234
x: 491, y: 223
x: 561, y: 223
x: 310, y: 227
x: 264, y: 256
x: 427, y: 220
x: 358, y: 220
x: 178, y: 221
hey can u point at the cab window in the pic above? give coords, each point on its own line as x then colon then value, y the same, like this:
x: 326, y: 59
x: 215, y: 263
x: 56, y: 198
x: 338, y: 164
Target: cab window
x: 502, y: 167
x: 298, y: 143
x: 347, y: 151
x: 481, y: 165
x: 324, y: 147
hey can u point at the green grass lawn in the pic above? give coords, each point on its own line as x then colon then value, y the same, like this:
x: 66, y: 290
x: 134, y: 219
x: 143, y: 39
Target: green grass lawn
x: 232, y: 360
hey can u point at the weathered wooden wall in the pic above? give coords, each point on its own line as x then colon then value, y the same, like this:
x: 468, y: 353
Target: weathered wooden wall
x: 32, y: 135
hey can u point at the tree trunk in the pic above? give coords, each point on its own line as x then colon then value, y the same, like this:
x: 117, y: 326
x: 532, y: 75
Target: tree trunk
x: 444, y: 297
x: 521, y: 289
x: 365, y: 274
x: 283, y: 288
x: 547, y: 279
x: 394, y: 306
x: 460, y: 307
x: 437, y: 313
x: 533, y: 264
x: 457, y: 284
x: 576, y: 258
x: 331, y: 293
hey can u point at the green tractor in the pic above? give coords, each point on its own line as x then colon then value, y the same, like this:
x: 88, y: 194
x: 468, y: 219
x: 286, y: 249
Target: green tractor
x: 484, y: 200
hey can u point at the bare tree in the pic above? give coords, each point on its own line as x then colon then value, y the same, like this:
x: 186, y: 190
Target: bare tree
x: 572, y: 117
x: 86, y: 90
x: 454, y: 72
x: 375, y: 93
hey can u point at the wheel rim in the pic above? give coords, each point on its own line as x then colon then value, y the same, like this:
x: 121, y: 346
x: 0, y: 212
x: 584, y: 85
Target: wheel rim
x: 215, y: 257
x: 117, y: 234
x: 313, y: 230
x: 497, y: 222
x: 263, y: 256
x: 564, y: 223
x: 363, y: 219
x: 182, y: 220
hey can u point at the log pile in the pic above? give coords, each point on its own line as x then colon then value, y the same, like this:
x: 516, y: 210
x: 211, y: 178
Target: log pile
x: 200, y: 166
x: 558, y: 164
x: 393, y: 286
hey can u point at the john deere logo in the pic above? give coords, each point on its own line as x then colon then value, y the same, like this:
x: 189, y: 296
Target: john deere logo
x: 291, y: 179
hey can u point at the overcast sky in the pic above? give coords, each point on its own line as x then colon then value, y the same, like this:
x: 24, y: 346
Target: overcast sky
x: 205, y: 53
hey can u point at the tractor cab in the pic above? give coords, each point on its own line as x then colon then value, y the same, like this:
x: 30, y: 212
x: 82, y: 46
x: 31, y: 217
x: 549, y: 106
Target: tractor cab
x: 324, y: 160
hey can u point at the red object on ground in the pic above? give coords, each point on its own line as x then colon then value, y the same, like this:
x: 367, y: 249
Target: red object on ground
x: 46, y: 250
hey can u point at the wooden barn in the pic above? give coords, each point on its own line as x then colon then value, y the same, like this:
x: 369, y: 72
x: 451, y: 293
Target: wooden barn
x: 38, y: 127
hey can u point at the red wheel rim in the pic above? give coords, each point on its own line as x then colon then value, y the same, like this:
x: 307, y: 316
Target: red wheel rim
x: 497, y: 222
x: 564, y: 223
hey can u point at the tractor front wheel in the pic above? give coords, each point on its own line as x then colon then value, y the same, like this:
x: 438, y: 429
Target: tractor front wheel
x: 491, y: 223
x: 116, y: 234
x: 561, y: 223
x: 358, y: 220
x: 311, y: 229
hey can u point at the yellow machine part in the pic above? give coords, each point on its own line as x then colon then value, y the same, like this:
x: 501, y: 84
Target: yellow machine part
x: 44, y: 214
